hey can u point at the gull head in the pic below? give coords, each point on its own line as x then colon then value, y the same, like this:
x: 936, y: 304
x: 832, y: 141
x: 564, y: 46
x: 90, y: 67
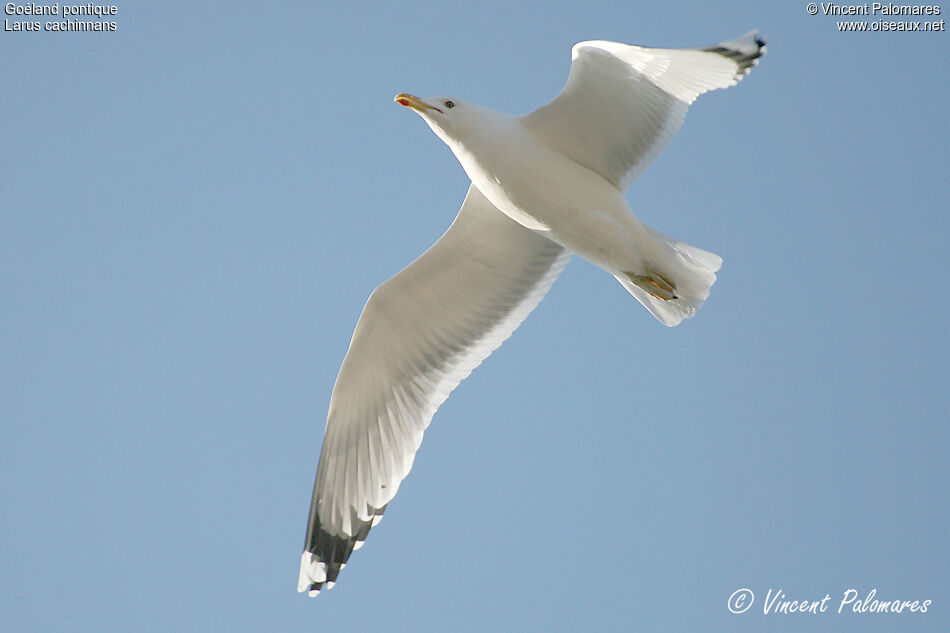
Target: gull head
x: 422, y: 106
x: 445, y: 115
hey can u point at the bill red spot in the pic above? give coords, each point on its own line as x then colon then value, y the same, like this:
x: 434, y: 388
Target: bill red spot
x: 404, y: 102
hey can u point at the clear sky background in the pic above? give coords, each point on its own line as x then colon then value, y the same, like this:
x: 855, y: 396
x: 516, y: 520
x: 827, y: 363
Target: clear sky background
x: 193, y: 210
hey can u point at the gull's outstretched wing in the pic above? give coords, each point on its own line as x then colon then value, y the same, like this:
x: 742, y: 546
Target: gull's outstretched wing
x: 421, y: 333
x: 622, y: 104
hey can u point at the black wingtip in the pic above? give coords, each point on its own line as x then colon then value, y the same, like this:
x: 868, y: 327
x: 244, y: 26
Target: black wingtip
x: 333, y: 550
x: 741, y: 51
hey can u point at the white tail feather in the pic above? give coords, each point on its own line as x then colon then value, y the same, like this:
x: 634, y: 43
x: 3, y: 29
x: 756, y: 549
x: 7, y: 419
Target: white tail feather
x: 691, y: 270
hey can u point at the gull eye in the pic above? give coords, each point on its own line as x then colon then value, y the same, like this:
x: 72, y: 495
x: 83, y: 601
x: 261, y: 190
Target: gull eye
x: 449, y: 104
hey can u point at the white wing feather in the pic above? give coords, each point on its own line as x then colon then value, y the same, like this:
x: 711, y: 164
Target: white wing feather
x: 622, y: 104
x: 420, y: 334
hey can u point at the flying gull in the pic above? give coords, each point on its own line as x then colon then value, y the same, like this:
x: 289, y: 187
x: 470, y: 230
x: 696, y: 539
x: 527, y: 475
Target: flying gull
x: 544, y: 186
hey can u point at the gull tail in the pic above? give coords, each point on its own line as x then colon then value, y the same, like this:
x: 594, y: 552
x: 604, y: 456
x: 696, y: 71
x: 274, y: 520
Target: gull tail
x: 678, y: 286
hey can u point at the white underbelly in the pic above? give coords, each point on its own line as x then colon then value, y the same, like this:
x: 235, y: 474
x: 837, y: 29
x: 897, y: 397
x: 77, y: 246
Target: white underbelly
x: 502, y: 201
x: 570, y: 204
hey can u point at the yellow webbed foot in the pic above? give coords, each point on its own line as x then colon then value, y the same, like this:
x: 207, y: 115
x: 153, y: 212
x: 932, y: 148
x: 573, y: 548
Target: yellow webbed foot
x: 655, y: 284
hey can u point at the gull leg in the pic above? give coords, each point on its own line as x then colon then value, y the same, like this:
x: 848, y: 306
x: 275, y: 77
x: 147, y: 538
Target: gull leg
x: 655, y: 284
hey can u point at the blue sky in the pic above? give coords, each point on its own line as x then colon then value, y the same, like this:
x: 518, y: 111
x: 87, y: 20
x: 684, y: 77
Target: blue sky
x: 193, y: 210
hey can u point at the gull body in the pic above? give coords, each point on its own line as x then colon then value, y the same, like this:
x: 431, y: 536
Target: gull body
x: 544, y: 186
x: 542, y: 189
